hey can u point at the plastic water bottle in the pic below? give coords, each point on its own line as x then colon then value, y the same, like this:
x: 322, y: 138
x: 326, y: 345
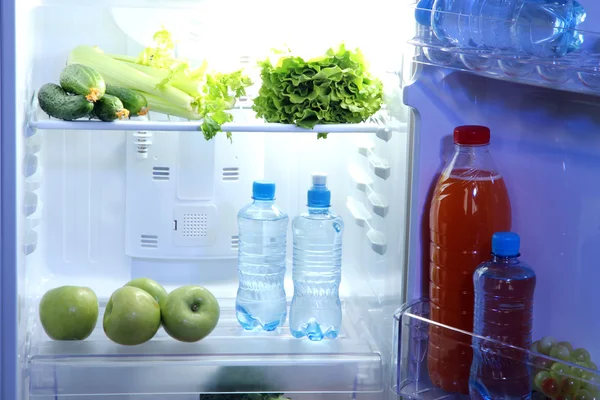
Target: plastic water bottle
x: 504, y: 290
x: 544, y: 28
x: 261, y: 301
x: 316, y: 310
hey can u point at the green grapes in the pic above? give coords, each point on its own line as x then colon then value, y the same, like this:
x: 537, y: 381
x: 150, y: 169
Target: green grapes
x: 561, y: 352
x: 546, y: 344
x: 581, y: 355
x: 571, y: 378
x: 584, y: 395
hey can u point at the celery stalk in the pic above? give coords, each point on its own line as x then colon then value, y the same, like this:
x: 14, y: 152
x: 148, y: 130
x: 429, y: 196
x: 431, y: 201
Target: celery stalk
x: 121, y: 74
x: 159, y: 104
x: 184, y: 84
x: 124, y: 58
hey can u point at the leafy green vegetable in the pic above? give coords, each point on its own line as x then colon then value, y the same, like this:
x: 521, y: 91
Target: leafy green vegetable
x: 334, y: 88
x: 170, y: 84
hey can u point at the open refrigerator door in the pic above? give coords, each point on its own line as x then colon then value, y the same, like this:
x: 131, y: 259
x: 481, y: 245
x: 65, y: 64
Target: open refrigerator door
x: 538, y: 96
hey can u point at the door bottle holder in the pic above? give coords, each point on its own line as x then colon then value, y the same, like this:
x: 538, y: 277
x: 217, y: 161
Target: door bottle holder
x: 411, y: 380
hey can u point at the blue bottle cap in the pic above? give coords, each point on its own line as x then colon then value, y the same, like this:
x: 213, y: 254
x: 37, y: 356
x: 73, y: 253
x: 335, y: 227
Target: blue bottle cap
x: 318, y: 195
x: 506, y: 244
x: 263, y: 190
x: 423, y: 12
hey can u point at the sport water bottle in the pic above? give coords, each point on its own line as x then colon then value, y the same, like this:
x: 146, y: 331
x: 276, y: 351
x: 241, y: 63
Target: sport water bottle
x: 543, y: 28
x: 316, y: 310
x: 470, y: 202
x: 261, y: 301
x: 504, y: 289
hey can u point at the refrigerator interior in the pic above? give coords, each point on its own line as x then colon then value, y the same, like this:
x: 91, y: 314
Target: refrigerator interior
x: 97, y: 205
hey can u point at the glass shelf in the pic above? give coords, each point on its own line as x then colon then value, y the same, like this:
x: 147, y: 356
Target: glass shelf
x: 411, y: 378
x: 229, y: 360
x: 577, y: 71
x: 161, y: 122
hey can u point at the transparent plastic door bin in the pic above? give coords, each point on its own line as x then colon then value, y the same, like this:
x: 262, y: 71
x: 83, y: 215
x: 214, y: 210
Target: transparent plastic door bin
x: 411, y: 378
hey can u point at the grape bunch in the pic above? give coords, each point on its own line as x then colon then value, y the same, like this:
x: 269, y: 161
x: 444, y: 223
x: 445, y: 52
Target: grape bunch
x: 576, y: 378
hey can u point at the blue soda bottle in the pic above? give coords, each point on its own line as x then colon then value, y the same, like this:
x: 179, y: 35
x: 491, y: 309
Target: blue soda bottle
x: 504, y: 290
x: 543, y: 28
x: 316, y: 310
x: 261, y: 301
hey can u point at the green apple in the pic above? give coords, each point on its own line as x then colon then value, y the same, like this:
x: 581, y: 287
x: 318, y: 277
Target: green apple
x: 132, y: 316
x: 69, y: 312
x: 190, y: 313
x: 151, y: 287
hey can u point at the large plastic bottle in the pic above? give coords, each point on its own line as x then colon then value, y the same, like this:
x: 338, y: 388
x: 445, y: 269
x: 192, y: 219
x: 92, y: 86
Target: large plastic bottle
x: 261, y: 301
x: 544, y: 28
x: 316, y: 309
x: 470, y: 203
x: 504, y: 289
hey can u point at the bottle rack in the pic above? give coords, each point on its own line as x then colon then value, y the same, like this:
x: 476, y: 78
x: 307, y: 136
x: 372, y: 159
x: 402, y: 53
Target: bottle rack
x: 409, y: 356
x: 578, y: 71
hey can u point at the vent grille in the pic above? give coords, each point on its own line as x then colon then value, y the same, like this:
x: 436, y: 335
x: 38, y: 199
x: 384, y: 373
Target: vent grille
x: 231, y: 174
x: 161, y: 173
x: 149, y: 241
x: 194, y: 225
x: 235, y: 242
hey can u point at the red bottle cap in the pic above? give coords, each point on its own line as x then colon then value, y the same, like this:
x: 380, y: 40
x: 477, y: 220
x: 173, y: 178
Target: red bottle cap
x: 472, y: 135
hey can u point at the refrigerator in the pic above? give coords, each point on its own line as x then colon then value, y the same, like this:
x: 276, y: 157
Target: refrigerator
x: 95, y: 204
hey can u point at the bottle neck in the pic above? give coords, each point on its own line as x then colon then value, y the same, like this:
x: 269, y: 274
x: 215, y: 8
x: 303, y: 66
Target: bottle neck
x: 471, y: 158
x: 506, y: 260
x: 259, y: 202
x: 318, y: 210
x: 472, y: 148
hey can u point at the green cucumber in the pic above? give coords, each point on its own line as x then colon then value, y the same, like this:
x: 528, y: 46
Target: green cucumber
x: 59, y: 104
x: 135, y: 102
x: 109, y: 108
x: 83, y: 80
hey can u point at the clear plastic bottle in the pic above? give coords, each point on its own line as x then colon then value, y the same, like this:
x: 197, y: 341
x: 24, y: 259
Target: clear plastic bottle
x: 504, y: 288
x: 543, y: 28
x: 470, y: 202
x: 316, y: 309
x: 261, y: 301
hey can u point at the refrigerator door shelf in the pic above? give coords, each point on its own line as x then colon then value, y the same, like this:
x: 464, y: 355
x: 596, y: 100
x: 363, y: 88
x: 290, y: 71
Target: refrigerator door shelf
x: 412, y: 327
x: 230, y: 359
x: 578, y: 71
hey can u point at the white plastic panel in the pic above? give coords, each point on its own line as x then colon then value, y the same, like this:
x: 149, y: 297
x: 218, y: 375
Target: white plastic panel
x: 196, y: 167
x: 195, y: 225
x: 184, y: 176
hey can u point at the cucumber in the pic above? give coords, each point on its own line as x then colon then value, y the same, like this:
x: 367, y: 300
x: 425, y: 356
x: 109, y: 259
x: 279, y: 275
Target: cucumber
x: 135, y: 102
x: 83, y: 80
x: 59, y: 104
x: 109, y: 108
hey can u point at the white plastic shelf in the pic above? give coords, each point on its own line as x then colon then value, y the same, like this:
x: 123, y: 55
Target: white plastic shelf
x: 229, y: 360
x: 186, y: 126
x: 185, y: 4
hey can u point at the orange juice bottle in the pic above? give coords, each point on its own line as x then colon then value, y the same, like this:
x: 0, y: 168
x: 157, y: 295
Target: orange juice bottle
x: 470, y: 203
